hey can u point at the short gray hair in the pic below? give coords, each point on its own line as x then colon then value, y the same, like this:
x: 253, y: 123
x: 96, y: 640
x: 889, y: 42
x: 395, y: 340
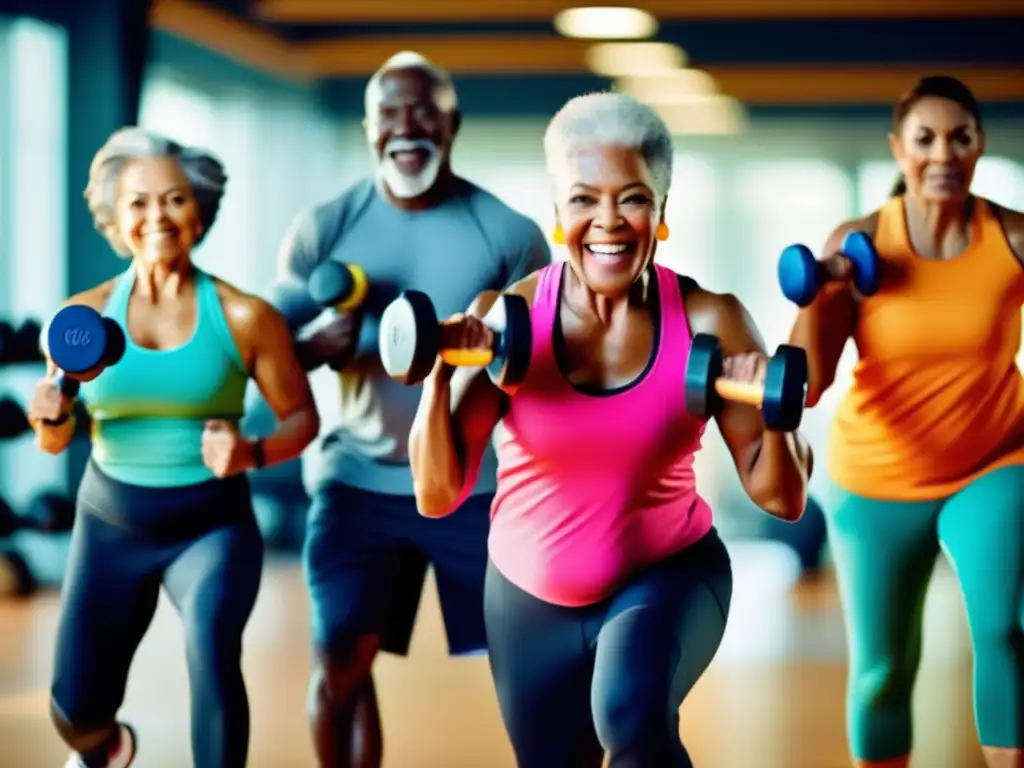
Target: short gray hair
x: 202, y: 168
x: 448, y: 100
x: 608, y: 119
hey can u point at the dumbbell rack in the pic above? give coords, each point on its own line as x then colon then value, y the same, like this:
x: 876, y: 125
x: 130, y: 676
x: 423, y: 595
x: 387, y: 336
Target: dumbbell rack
x: 35, y: 517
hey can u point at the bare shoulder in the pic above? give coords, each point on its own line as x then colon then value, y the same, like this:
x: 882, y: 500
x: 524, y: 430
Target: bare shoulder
x: 96, y: 297
x: 1013, y: 225
x: 725, y: 316
x: 866, y: 224
x: 248, y: 316
x: 526, y: 288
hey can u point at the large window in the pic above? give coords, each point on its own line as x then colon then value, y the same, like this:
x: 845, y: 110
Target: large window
x: 35, y: 164
x: 33, y: 191
x: 777, y: 203
x: 692, y: 217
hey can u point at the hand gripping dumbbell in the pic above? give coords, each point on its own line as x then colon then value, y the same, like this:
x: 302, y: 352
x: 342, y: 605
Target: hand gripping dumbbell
x: 79, y: 340
x: 801, y: 277
x: 411, y: 338
x: 342, y: 286
x: 781, y: 398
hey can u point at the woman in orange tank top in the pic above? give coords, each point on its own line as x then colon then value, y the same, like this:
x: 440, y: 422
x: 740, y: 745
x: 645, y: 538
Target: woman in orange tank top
x: 927, y: 446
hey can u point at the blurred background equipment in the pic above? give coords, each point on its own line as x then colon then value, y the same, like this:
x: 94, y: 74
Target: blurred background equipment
x: 16, y: 579
x: 13, y: 419
x: 20, y: 343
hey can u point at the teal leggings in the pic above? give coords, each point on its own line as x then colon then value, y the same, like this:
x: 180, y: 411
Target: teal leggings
x: 884, y: 553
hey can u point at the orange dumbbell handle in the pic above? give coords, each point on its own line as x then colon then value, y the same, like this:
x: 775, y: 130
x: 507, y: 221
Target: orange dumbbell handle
x: 469, y: 358
x: 476, y: 357
x: 740, y: 392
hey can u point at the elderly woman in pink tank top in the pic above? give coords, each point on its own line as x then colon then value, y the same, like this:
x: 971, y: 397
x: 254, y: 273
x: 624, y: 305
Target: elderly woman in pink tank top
x: 608, y: 588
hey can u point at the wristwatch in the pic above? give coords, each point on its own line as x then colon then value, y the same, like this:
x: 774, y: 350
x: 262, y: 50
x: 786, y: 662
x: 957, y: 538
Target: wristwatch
x: 59, y: 421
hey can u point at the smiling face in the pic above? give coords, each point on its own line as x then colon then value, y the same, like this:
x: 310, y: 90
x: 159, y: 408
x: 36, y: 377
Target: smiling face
x: 937, y: 147
x: 409, y: 131
x: 156, y: 212
x: 609, y: 213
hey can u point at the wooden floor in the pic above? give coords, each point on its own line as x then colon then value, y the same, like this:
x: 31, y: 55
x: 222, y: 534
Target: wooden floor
x: 772, y: 699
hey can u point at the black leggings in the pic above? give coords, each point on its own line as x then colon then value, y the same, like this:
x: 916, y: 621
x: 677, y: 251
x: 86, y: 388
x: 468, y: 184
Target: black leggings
x: 575, y: 683
x: 202, y: 544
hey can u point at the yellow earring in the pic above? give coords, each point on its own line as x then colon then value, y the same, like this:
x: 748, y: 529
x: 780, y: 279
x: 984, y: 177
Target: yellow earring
x: 661, y: 233
x: 558, y: 236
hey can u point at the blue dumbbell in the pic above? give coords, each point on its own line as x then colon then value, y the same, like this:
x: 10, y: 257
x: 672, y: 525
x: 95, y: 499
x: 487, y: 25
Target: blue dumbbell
x: 78, y: 340
x: 800, y: 275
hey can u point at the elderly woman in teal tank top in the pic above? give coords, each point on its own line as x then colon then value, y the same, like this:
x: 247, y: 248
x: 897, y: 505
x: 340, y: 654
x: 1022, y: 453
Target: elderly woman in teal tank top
x: 165, y: 499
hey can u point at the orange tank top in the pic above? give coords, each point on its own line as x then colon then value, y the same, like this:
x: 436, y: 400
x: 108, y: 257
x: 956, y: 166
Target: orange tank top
x: 937, y: 398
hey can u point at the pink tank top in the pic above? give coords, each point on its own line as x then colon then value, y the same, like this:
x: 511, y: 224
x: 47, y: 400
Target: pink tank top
x: 594, y: 488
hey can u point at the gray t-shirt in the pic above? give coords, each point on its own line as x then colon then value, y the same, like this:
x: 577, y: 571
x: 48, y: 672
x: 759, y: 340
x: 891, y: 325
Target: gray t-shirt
x: 470, y: 243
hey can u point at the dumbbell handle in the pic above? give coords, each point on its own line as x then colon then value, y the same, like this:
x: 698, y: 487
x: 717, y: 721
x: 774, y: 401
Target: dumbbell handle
x: 745, y: 392
x: 68, y: 386
x: 462, y: 357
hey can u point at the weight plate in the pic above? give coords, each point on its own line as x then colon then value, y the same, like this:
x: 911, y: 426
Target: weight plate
x: 77, y: 339
x: 703, y: 367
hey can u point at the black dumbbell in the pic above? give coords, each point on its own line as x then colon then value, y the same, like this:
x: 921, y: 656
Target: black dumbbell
x: 9, y: 522
x: 341, y: 286
x: 8, y: 344
x: 28, y: 341
x: 16, y: 579
x: 781, y: 398
x: 13, y: 419
x: 79, y: 340
x: 411, y: 338
x: 21, y: 344
x: 800, y: 275
x: 46, y: 512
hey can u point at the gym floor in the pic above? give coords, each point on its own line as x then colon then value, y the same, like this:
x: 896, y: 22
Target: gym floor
x: 772, y: 699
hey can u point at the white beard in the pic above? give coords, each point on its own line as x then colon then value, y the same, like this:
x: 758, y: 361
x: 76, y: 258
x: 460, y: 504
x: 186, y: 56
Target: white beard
x: 400, y: 184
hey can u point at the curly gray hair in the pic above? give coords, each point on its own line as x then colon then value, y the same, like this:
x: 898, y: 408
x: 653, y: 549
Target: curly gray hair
x: 609, y: 118
x: 202, y: 168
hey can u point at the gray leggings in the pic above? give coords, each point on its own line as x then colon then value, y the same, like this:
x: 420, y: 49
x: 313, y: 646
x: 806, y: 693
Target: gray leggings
x: 576, y: 683
x: 201, y: 543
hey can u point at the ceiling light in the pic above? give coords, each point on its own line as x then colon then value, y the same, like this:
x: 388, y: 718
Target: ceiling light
x: 704, y: 115
x: 666, y: 87
x: 606, y: 23
x: 626, y: 59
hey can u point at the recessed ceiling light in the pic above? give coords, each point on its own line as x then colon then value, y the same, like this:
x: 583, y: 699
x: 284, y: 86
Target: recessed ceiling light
x: 625, y: 59
x: 606, y: 23
x: 665, y: 87
x: 710, y: 115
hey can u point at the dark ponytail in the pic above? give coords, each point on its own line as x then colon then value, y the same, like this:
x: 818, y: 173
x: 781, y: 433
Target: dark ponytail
x: 934, y: 86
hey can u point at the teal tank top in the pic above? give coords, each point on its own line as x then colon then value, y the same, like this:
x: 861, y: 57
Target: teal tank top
x: 148, y: 412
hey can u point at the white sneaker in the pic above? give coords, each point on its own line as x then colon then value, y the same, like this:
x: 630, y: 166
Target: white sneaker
x: 123, y: 758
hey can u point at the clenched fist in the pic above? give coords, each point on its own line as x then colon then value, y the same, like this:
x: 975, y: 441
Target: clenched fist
x: 48, y: 403
x: 464, y: 331
x: 750, y: 367
x: 331, y: 339
x: 225, y: 451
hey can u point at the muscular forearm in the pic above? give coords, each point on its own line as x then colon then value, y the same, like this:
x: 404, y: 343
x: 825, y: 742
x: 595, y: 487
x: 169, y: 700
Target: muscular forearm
x: 294, y: 433
x: 438, y: 474
x: 778, y: 475
x: 822, y: 330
